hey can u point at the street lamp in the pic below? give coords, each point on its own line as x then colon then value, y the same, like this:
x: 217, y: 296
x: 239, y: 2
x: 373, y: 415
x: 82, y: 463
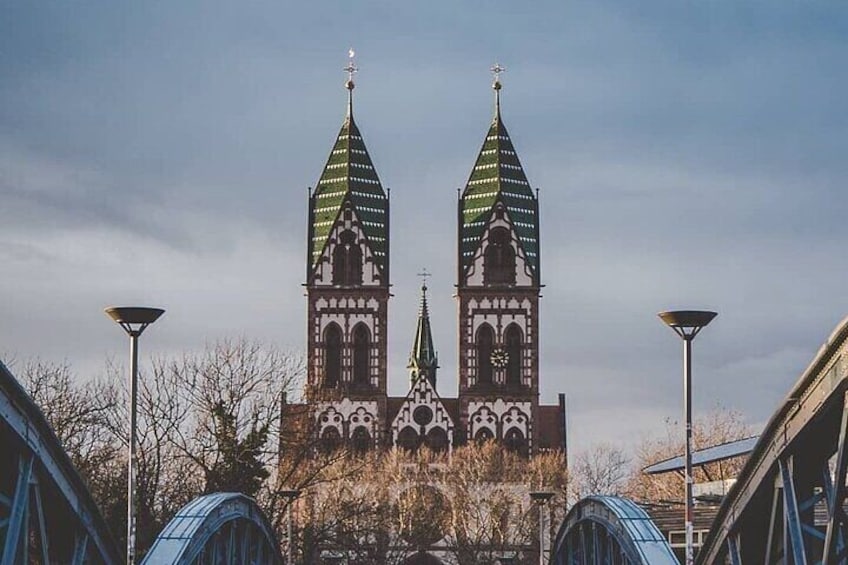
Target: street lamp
x: 134, y: 320
x: 687, y: 324
x: 541, y: 498
x: 290, y: 495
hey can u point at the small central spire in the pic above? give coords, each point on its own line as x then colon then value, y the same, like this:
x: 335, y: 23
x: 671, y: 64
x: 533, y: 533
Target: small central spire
x: 497, y: 69
x: 423, y: 360
x: 351, y: 69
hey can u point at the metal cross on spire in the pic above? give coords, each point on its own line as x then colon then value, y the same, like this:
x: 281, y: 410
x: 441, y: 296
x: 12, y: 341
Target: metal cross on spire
x: 351, y: 67
x: 424, y: 274
x: 497, y: 69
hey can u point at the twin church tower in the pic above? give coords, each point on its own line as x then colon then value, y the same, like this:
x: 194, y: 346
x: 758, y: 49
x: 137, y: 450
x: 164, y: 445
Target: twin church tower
x: 498, y: 285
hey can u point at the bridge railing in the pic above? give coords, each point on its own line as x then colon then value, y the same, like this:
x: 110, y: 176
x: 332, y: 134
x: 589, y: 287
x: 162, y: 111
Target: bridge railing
x: 787, y: 503
x: 47, y: 514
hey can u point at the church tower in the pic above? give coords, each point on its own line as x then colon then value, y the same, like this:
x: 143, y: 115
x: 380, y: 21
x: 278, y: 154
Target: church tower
x: 498, y: 285
x: 347, y: 286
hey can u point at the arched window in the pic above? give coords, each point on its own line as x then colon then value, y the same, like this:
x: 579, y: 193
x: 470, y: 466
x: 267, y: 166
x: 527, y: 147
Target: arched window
x: 512, y: 341
x: 437, y: 439
x: 485, y: 345
x: 354, y: 265
x: 332, y: 355
x: 499, y: 258
x: 347, y: 260
x: 339, y: 264
x: 408, y: 439
x: 515, y: 442
x: 360, y: 440
x: 361, y: 355
x: 330, y: 439
x: 483, y: 435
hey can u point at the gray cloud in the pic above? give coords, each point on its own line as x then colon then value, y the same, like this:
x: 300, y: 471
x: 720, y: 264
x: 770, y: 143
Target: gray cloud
x: 688, y: 154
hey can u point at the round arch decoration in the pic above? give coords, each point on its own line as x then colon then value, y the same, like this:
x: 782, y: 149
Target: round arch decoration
x: 610, y: 529
x: 225, y: 524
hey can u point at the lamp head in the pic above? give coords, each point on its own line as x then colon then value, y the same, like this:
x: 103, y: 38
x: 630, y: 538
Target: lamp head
x: 134, y: 319
x: 687, y: 323
x: 289, y: 494
x: 541, y: 497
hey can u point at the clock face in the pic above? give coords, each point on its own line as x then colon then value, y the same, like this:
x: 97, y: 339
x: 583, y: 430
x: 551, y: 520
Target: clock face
x: 499, y: 358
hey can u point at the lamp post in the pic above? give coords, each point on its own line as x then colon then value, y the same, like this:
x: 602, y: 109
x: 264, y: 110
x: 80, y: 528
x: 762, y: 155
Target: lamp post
x: 134, y: 320
x: 290, y: 495
x: 541, y: 498
x: 687, y: 324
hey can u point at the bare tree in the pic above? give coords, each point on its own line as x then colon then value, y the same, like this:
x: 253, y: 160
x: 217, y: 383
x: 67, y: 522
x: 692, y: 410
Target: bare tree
x: 77, y: 411
x: 82, y: 415
x: 603, y: 469
x: 346, y: 511
x: 207, y: 421
x: 549, y: 472
x: 385, y: 506
x: 218, y: 419
x: 231, y: 391
x: 719, y: 426
x: 489, y: 504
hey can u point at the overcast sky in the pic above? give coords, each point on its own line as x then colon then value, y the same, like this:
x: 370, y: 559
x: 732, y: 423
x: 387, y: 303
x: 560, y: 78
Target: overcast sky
x: 690, y: 154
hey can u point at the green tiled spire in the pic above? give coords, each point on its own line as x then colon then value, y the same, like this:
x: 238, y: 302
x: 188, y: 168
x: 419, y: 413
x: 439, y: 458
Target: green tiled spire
x: 350, y: 176
x: 498, y: 176
x: 423, y: 357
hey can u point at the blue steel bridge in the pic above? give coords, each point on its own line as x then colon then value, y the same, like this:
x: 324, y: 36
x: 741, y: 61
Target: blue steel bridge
x: 787, y: 506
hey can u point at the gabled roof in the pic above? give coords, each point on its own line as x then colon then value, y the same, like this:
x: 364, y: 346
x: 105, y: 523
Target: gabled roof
x: 423, y: 356
x: 350, y: 176
x: 421, y: 384
x: 498, y: 176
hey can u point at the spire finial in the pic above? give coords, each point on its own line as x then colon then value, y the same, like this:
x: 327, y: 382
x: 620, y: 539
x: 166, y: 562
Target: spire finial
x: 497, y: 69
x: 424, y: 274
x: 351, y: 69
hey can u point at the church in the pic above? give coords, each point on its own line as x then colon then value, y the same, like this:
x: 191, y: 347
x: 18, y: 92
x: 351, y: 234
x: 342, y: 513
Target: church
x: 498, y: 283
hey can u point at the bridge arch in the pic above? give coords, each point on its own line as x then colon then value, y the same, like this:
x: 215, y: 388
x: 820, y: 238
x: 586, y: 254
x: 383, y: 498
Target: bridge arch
x: 223, y: 527
x: 787, y: 502
x: 47, y: 514
x: 610, y: 530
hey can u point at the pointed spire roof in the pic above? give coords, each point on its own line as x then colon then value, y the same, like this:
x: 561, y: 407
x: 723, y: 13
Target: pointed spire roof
x: 498, y: 176
x: 349, y: 175
x: 423, y: 356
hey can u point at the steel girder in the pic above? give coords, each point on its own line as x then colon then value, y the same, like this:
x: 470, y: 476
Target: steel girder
x: 46, y: 513
x: 608, y: 530
x: 787, y: 506
x: 222, y: 528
